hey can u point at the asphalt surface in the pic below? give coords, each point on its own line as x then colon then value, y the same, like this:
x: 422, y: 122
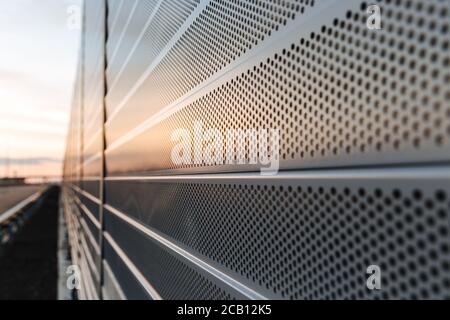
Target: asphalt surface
x: 28, y: 265
x: 10, y: 196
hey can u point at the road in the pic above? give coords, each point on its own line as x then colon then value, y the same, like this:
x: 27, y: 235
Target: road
x: 28, y: 265
x: 10, y: 196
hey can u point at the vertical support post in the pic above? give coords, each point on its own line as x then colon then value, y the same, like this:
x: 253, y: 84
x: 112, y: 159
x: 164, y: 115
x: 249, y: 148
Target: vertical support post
x: 103, y: 172
x: 82, y: 96
x: 80, y: 170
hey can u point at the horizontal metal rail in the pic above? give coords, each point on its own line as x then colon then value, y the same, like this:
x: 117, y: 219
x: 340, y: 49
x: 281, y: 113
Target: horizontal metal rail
x: 226, y: 279
x: 132, y: 268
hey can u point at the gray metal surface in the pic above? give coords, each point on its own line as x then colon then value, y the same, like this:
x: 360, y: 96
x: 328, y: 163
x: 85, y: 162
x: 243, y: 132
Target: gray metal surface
x: 364, y: 121
x: 340, y: 94
x: 306, y: 235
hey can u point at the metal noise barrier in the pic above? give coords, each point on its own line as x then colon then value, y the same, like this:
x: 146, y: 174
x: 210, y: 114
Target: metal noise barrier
x: 355, y: 96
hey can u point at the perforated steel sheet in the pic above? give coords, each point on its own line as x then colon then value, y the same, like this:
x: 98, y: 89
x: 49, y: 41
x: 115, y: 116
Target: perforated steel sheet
x: 307, y: 236
x: 341, y: 95
x: 364, y: 123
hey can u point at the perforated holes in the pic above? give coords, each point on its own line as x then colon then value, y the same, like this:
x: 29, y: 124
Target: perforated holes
x: 169, y: 274
x: 308, y: 241
x: 224, y: 31
x: 343, y: 94
x: 166, y: 22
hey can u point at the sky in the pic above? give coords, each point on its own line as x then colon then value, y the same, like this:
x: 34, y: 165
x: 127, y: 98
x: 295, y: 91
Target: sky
x: 38, y: 58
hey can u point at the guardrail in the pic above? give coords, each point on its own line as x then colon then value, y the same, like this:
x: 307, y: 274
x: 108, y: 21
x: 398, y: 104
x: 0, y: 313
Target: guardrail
x: 12, y: 218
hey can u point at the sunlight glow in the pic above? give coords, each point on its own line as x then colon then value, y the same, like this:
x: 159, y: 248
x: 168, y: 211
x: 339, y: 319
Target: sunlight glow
x: 37, y: 70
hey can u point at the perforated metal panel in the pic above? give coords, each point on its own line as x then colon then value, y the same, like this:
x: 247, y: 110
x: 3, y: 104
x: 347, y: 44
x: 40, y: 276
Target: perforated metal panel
x: 130, y: 286
x: 364, y: 122
x: 84, y: 143
x: 223, y: 31
x: 172, y: 277
x: 340, y: 95
x: 134, y: 22
x: 309, y: 236
x: 162, y: 20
